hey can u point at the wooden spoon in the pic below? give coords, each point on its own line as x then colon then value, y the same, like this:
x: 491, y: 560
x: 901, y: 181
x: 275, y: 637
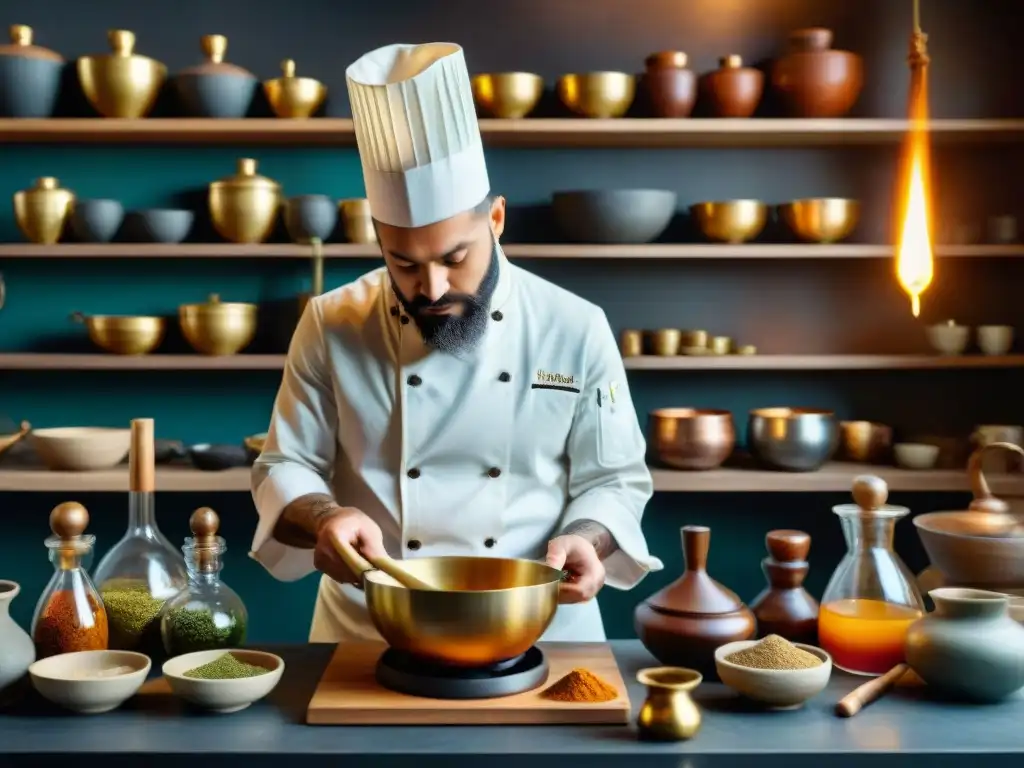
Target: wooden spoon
x: 361, y: 565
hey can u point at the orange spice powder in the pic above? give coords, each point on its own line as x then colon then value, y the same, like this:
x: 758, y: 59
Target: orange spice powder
x: 581, y: 686
x: 65, y: 626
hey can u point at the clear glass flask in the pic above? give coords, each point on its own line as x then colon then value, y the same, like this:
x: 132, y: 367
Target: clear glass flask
x: 872, y: 598
x: 143, y: 570
x: 69, y: 616
x: 207, y: 614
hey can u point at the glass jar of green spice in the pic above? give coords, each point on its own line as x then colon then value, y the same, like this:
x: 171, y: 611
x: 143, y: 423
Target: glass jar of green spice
x: 207, y: 614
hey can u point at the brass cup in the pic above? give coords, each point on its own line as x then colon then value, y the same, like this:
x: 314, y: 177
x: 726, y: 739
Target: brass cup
x: 690, y: 438
x: 730, y: 221
x: 356, y: 220
x: 43, y: 210
x: 746, y: 349
x: 123, y: 335
x: 694, y: 339
x: 632, y: 343
x: 216, y: 328
x: 665, y: 342
x: 244, y: 207
x: 598, y: 95
x: 864, y: 441
x: 121, y: 83
x: 668, y: 713
x: 720, y: 345
x: 294, y: 97
x: 507, y: 95
x: 821, y: 219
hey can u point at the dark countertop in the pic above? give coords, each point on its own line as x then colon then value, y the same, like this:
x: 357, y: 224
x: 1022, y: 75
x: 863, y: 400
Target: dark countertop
x: 903, y: 728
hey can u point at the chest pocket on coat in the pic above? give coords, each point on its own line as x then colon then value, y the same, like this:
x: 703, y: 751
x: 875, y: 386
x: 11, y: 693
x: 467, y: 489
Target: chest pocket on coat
x: 548, y: 414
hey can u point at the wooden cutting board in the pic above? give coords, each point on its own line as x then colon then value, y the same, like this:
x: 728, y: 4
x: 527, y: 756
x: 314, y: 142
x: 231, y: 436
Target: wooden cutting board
x: 348, y: 694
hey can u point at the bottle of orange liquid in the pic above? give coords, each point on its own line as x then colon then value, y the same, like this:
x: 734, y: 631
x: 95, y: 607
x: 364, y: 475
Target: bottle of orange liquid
x: 871, y: 600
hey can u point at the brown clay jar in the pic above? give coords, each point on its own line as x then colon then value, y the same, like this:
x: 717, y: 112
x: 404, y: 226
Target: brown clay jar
x: 785, y: 608
x: 813, y: 79
x: 732, y: 90
x: 671, y: 88
x: 683, y: 624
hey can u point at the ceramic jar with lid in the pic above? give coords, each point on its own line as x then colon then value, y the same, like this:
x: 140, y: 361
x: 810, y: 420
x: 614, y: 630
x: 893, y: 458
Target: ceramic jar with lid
x: 244, y: 207
x: 215, y: 88
x: 683, y: 624
x: 813, y: 79
x: 785, y: 608
x: 670, y: 87
x: 30, y: 76
x: 732, y: 90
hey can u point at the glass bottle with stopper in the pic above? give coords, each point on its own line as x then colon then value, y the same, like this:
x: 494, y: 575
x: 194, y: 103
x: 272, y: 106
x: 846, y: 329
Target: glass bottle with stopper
x: 207, y: 614
x: 70, y: 615
x: 143, y: 570
x: 872, y: 599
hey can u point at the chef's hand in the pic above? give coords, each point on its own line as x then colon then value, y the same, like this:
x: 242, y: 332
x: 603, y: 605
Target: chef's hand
x: 353, y: 527
x: 576, y: 555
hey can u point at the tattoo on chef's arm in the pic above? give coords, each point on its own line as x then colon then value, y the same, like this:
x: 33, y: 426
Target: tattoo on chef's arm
x: 599, y: 536
x: 298, y: 524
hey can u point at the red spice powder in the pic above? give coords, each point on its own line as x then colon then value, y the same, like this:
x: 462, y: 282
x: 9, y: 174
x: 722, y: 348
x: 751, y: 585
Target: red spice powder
x: 65, y: 626
x: 581, y: 686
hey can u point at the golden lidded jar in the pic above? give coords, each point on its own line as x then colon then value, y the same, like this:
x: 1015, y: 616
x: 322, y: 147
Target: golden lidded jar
x: 216, y: 327
x: 42, y: 210
x: 294, y: 97
x: 669, y: 713
x: 121, y: 83
x: 244, y: 207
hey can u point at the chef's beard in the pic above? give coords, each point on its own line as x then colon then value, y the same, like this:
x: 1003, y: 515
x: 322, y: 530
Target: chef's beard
x: 457, y: 332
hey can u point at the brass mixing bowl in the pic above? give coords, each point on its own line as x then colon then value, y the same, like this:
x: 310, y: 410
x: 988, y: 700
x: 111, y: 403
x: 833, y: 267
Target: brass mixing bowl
x: 294, y: 97
x: 690, y: 438
x: 244, y: 207
x: 488, y: 609
x: 821, y: 219
x: 507, y: 95
x: 730, y: 221
x: 123, y: 334
x: 356, y: 220
x: 121, y: 83
x: 598, y: 94
x: 217, y: 328
x: 42, y: 210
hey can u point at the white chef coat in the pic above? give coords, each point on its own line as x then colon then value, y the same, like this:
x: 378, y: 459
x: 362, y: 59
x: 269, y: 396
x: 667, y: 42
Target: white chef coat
x: 487, y: 453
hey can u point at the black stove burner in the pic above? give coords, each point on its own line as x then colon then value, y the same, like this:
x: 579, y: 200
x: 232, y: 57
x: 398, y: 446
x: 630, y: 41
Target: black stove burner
x: 406, y: 673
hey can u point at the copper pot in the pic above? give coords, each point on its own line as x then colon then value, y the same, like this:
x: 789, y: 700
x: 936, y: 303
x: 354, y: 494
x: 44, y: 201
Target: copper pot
x: 732, y: 90
x: 813, y: 79
x: 689, y: 438
x: 670, y: 88
x: 685, y: 622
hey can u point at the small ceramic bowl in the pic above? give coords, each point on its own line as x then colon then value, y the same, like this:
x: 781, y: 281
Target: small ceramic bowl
x: 777, y: 688
x: 159, y: 225
x: 222, y: 695
x: 74, y: 680
x: 948, y: 338
x: 915, y: 455
x: 995, y: 339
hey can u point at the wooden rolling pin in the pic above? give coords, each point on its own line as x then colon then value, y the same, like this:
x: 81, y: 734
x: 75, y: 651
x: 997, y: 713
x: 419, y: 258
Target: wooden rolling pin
x: 871, y: 691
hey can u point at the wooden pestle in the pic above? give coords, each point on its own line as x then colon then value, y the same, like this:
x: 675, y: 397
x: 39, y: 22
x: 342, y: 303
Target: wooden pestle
x: 871, y: 691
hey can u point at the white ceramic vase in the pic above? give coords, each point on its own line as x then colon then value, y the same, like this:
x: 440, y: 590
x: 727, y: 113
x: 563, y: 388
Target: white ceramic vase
x: 17, y: 651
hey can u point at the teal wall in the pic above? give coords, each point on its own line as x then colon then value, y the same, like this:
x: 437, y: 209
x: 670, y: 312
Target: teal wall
x: 796, y: 307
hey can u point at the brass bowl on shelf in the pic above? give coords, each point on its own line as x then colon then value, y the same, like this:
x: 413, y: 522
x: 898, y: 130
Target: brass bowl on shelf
x: 507, y: 95
x: 244, y: 207
x: 123, y: 334
x: 294, y: 97
x: 691, y: 438
x: 730, y: 221
x: 599, y: 95
x: 218, y: 328
x: 821, y: 219
x: 121, y: 83
x: 356, y: 220
x: 42, y: 210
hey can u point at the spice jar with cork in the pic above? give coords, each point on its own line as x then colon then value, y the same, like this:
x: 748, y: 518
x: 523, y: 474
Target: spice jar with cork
x: 785, y: 608
x: 70, y: 615
x: 207, y: 614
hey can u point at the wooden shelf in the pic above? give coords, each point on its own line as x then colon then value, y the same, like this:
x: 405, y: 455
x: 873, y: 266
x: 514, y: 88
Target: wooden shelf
x: 531, y: 132
x: 679, y: 251
x: 41, y: 361
x: 831, y: 478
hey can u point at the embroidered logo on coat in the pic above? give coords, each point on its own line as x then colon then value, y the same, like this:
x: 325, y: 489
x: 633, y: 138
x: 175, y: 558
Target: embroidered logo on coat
x: 559, y: 381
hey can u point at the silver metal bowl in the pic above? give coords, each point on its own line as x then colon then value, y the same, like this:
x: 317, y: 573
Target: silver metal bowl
x: 792, y: 439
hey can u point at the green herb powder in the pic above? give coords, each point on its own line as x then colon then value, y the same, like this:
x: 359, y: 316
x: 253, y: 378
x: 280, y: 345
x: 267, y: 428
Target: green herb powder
x: 198, y: 629
x: 226, y: 667
x: 132, y: 613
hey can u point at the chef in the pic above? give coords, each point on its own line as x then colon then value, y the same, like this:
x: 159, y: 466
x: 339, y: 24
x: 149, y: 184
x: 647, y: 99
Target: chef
x: 450, y: 402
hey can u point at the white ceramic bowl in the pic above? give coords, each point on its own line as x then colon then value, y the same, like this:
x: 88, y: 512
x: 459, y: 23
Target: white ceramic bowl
x: 80, y: 449
x: 222, y: 695
x: 916, y: 455
x: 67, y: 679
x: 995, y: 339
x: 948, y: 338
x: 777, y: 688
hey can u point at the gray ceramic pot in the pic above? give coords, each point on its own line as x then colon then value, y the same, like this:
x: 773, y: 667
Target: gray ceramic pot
x: 614, y: 216
x: 17, y: 650
x: 215, y: 88
x: 969, y: 648
x: 30, y: 76
x: 159, y: 225
x: 309, y: 216
x: 96, y: 221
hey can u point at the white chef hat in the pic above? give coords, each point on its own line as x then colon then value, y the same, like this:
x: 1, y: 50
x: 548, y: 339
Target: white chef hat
x: 417, y: 133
